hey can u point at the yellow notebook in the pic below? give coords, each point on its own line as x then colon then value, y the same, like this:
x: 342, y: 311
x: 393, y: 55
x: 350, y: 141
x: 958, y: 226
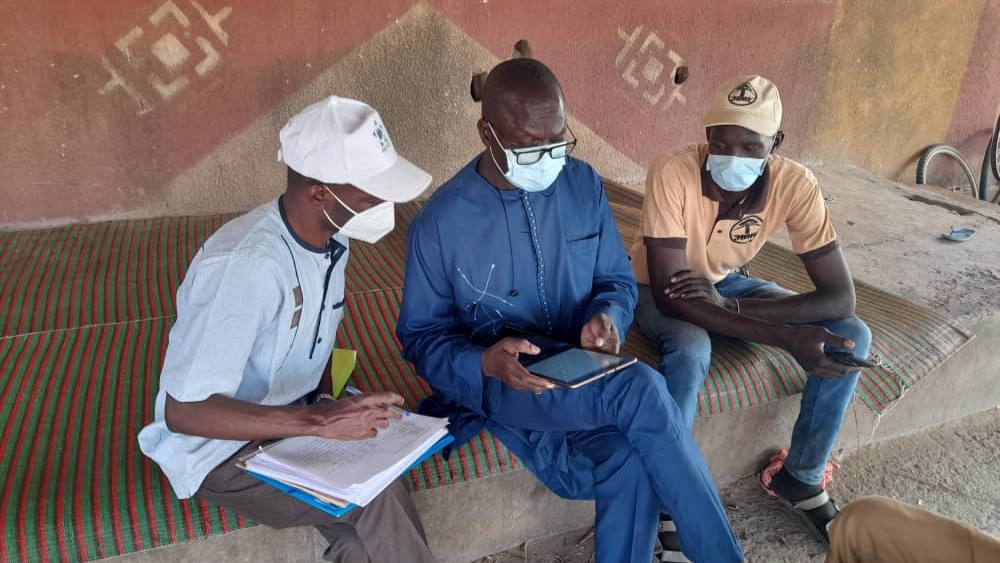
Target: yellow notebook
x: 341, y: 368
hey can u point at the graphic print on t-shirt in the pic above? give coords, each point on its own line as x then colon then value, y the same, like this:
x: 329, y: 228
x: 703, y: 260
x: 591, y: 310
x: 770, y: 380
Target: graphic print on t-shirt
x: 746, y: 229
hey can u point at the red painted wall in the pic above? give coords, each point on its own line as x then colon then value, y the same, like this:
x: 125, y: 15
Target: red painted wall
x: 103, y: 103
x: 585, y: 43
x: 79, y: 142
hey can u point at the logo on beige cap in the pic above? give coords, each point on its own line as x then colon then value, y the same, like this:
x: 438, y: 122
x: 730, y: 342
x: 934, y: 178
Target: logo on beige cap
x: 743, y: 95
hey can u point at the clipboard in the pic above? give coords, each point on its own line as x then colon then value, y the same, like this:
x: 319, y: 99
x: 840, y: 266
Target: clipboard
x: 331, y: 506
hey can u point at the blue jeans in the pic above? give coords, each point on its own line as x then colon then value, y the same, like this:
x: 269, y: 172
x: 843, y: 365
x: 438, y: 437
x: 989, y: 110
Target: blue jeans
x: 686, y: 352
x: 622, y: 441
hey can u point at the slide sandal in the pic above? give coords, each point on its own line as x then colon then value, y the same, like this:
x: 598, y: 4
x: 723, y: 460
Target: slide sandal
x: 817, y: 512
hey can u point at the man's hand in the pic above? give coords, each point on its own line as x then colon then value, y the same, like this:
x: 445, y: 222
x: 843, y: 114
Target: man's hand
x: 806, y: 344
x: 687, y: 284
x: 500, y: 361
x: 355, y: 418
x: 600, y: 334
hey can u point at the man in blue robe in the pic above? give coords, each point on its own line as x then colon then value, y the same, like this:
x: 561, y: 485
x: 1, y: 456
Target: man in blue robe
x: 523, y: 236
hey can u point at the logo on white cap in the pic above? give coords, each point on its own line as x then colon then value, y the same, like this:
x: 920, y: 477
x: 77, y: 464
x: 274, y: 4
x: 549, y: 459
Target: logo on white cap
x: 379, y: 132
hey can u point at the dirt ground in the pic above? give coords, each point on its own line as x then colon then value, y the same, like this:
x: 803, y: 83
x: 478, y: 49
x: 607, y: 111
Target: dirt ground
x: 892, y: 236
x: 952, y: 470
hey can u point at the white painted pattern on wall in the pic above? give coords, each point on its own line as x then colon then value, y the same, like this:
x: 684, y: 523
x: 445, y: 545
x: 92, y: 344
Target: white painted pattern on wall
x: 154, y: 63
x: 642, y: 68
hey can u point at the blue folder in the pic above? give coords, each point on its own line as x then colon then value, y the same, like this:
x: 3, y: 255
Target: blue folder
x: 333, y: 509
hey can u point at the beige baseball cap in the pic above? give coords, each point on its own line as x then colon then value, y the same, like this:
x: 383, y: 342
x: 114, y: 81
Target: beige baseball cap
x: 343, y: 141
x: 751, y: 102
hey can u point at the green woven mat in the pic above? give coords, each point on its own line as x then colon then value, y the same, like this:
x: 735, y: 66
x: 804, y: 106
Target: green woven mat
x: 100, y: 273
x: 75, y: 486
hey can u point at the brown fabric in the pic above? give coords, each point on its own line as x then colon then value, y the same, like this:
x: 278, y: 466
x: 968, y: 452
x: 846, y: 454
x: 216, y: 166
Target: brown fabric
x: 881, y: 530
x: 820, y: 252
x: 675, y: 243
x: 720, y: 241
x: 386, y: 531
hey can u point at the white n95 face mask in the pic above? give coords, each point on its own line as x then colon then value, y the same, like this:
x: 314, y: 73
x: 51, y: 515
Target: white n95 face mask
x: 534, y: 177
x: 368, y: 226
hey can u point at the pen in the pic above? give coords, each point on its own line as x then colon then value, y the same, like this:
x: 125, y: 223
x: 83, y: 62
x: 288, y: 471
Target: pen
x: 393, y: 408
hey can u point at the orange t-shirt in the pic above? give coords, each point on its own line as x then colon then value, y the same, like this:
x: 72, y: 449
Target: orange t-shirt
x: 682, y: 211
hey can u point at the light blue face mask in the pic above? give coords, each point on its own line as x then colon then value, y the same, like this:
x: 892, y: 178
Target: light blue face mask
x: 735, y: 173
x: 535, y: 177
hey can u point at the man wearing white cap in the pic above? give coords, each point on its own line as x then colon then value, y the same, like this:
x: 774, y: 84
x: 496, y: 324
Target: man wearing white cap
x: 708, y: 210
x: 257, y: 317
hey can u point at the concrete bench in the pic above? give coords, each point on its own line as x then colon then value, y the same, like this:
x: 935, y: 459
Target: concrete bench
x: 84, y: 315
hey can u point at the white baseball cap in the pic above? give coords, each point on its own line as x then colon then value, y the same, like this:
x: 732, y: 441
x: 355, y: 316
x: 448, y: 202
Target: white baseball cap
x: 343, y: 141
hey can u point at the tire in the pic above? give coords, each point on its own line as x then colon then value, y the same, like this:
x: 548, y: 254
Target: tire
x: 991, y: 165
x: 947, y: 150
x: 995, y: 152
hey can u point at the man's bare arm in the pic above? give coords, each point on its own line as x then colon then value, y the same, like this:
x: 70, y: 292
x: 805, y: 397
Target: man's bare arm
x: 224, y: 418
x: 833, y: 297
x: 664, y: 262
x: 806, y: 343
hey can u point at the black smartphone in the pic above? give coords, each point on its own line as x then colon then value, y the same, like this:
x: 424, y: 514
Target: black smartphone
x: 849, y: 359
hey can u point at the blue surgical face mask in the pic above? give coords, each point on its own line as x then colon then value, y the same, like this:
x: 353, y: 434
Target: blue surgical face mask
x: 735, y: 173
x: 534, y: 177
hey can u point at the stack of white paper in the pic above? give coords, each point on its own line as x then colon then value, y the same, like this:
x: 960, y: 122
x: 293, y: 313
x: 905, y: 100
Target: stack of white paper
x: 354, y: 471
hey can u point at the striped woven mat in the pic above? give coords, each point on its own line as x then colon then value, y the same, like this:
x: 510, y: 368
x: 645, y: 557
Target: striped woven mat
x: 75, y: 485
x: 84, y: 315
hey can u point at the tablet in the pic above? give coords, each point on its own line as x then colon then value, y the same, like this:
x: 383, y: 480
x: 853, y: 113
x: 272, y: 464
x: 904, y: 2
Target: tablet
x: 576, y: 367
x: 567, y: 365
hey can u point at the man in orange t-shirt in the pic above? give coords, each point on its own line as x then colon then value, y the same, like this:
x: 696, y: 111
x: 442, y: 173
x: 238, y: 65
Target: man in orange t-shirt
x: 708, y: 210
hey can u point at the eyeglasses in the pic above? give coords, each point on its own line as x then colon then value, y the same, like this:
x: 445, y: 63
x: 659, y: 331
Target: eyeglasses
x: 531, y: 155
